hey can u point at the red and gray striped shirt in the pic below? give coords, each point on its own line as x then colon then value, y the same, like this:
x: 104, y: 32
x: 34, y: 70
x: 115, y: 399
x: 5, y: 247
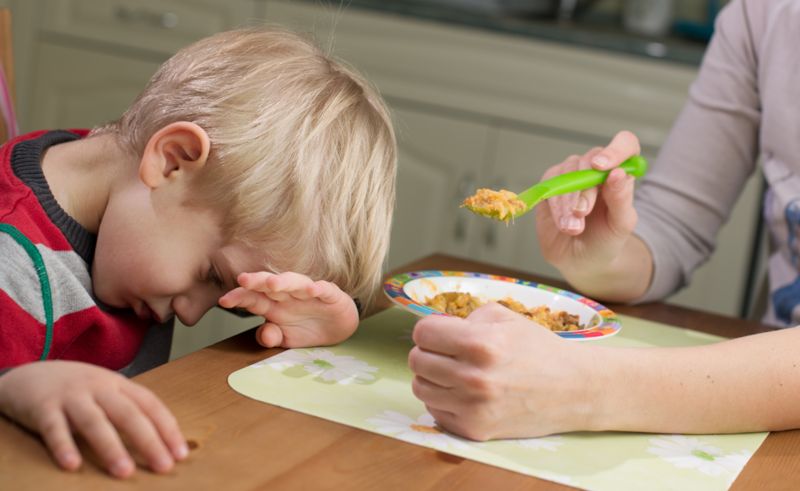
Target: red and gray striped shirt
x: 80, y: 327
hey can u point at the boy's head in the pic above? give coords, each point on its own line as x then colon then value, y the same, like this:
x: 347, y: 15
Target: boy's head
x: 301, y: 156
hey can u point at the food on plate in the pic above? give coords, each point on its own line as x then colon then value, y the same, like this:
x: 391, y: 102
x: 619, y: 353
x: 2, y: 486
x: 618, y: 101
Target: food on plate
x: 501, y: 205
x: 461, y: 304
x: 454, y: 303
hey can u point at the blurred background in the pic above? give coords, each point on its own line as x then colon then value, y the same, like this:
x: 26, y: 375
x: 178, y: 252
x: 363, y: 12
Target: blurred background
x: 485, y: 93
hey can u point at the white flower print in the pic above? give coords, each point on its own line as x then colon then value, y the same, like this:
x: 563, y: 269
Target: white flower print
x: 691, y: 453
x: 422, y: 431
x: 324, y: 365
x: 550, y: 443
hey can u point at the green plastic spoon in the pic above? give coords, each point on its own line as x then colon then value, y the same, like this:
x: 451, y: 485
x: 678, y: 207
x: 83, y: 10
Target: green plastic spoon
x: 561, y: 184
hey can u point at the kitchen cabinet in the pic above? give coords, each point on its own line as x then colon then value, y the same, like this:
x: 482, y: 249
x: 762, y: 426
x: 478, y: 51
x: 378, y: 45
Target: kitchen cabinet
x: 87, y: 60
x: 471, y: 108
x: 76, y: 87
x: 519, y: 105
x: 441, y: 162
x: 93, y: 57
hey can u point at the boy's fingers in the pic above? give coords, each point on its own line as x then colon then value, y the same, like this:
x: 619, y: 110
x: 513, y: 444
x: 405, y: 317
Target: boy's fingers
x: 623, y: 146
x: 54, y: 428
x: 89, y: 421
x: 325, y: 291
x: 269, y: 335
x: 232, y: 298
x: 268, y: 282
x: 255, y: 303
x: 164, y: 421
x: 127, y: 417
x: 250, y: 280
x: 301, y: 294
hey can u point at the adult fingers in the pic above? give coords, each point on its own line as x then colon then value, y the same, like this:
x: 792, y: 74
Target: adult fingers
x: 464, y: 340
x: 450, y: 421
x: 563, y: 206
x: 53, y: 426
x: 493, y: 313
x: 587, y: 197
x: 623, y: 146
x: 127, y: 417
x: 437, y: 368
x: 618, y: 196
x: 91, y: 422
x: 161, y: 417
x: 433, y: 395
x: 440, y: 334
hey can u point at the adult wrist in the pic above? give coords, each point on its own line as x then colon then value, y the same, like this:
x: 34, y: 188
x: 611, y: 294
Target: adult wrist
x: 605, y: 373
x: 588, y: 404
x: 620, y: 278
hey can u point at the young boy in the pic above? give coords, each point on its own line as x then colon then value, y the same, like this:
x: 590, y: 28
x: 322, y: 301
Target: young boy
x: 250, y: 164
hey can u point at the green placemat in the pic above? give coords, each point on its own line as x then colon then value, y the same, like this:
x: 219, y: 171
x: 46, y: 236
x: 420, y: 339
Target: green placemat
x: 365, y: 382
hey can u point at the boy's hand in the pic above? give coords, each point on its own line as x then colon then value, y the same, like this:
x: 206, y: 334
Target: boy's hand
x: 297, y: 310
x: 59, y: 398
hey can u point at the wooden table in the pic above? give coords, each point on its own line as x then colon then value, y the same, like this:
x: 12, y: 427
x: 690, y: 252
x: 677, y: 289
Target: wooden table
x: 244, y: 444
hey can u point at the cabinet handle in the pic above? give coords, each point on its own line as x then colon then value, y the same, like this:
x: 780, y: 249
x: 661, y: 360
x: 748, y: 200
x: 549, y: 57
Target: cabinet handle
x: 152, y: 18
x: 464, y: 189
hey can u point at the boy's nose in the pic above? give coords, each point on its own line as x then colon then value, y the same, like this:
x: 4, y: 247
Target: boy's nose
x: 190, y: 309
x: 188, y: 317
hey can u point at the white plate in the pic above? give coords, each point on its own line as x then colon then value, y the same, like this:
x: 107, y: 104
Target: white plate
x: 410, y: 291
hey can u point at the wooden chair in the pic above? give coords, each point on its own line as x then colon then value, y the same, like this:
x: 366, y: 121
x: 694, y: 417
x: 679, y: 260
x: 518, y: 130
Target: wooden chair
x: 8, y: 123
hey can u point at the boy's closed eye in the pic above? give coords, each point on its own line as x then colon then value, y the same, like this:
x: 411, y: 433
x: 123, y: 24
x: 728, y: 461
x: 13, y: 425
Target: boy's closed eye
x: 214, y: 277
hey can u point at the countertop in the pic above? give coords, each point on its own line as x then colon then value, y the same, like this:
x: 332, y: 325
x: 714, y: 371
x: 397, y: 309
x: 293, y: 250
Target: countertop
x: 595, y: 30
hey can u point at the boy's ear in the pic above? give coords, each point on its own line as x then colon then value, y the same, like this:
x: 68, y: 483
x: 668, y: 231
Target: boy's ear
x: 174, y: 152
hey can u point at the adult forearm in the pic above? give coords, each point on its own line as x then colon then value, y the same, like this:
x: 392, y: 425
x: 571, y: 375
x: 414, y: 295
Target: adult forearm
x: 622, y: 279
x: 746, y: 384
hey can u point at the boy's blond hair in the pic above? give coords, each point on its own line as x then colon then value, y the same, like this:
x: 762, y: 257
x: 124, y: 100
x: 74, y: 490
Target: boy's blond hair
x: 303, y: 154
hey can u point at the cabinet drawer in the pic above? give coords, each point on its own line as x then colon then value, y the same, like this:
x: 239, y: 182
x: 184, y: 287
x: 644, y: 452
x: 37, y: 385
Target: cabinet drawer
x: 163, y: 26
x: 556, y: 86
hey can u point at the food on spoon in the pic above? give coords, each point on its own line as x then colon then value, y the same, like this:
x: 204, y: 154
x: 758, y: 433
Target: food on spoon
x: 462, y: 304
x: 501, y: 205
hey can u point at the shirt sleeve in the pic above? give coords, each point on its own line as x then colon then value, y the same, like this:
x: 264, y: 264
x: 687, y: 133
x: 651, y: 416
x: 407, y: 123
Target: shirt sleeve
x: 707, y: 158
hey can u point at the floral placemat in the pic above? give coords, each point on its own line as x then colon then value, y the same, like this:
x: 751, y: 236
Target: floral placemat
x: 365, y: 382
